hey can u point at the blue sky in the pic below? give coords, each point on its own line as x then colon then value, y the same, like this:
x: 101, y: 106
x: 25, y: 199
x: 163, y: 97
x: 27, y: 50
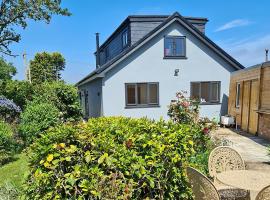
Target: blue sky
x: 239, y: 27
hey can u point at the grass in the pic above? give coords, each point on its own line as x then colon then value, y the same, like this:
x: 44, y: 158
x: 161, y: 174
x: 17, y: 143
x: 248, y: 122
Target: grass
x: 14, y: 172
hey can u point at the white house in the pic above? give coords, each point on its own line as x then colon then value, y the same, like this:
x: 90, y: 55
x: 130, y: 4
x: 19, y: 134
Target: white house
x: 148, y: 59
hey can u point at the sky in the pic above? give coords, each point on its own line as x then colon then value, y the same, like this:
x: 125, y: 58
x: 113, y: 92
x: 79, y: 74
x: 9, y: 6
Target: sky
x: 240, y: 27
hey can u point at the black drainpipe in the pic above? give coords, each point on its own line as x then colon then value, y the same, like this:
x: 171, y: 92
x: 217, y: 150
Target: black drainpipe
x: 97, y: 51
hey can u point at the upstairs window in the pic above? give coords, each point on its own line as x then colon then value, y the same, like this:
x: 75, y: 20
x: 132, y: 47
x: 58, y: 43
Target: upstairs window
x: 125, y: 38
x: 238, y: 91
x: 206, y: 92
x: 141, y: 94
x: 175, y: 47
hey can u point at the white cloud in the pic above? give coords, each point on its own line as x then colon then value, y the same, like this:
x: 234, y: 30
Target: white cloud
x: 233, y: 24
x: 249, y: 51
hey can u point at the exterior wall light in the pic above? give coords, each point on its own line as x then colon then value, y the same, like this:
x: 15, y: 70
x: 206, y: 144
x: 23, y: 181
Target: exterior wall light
x: 176, y: 72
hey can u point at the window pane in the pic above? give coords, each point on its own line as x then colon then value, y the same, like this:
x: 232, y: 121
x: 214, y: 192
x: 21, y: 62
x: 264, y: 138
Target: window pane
x: 205, y: 92
x: 131, y: 94
x: 215, y: 92
x: 142, y: 93
x: 238, y: 95
x: 125, y: 38
x: 180, y: 47
x: 168, y: 48
x: 195, y: 90
x: 153, y: 93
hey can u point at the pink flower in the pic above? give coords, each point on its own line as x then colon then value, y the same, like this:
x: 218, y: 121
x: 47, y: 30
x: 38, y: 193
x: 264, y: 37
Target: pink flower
x: 185, y: 104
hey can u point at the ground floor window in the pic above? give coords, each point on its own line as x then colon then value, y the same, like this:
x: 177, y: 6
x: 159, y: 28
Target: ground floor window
x: 205, y: 92
x: 142, y: 94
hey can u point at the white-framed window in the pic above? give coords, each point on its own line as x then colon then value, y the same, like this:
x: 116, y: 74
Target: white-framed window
x: 125, y: 38
x: 142, y: 94
x: 238, y: 92
x: 207, y: 92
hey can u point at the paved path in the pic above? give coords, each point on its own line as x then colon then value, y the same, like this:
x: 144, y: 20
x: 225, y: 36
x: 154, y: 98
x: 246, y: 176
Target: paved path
x: 252, y: 148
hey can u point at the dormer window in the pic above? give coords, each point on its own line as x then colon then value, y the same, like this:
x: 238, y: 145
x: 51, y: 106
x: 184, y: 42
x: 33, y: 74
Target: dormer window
x: 175, y: 47
x: 125, y: 38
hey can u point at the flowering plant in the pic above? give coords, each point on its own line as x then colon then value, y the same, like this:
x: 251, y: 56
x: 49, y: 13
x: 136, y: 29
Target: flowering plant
x: 183, y: 109
x: 8, y: 109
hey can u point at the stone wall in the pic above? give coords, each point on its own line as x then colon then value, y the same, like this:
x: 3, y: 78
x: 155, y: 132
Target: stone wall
x: 264, y: 126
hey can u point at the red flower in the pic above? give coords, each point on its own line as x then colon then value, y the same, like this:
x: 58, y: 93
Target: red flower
x: 206, y: 130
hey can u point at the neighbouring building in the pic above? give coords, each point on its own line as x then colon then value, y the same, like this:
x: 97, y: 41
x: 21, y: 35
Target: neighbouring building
x: 249, y: 100
x: 147, y: 59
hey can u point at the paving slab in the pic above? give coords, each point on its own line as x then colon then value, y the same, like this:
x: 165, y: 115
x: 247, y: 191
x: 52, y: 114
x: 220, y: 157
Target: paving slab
x: 252, y: 148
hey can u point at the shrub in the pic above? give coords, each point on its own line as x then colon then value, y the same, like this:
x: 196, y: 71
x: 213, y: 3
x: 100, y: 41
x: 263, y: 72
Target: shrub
x: 19, y: 91
x: 184, y: 110
x: 9, y: 111
x: 6, y: 143
x: 37, y: 118
x: 62, y: 96
x: 112, y: 158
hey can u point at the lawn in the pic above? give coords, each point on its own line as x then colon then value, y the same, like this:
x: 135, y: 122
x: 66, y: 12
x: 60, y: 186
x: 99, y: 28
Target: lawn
x: 12, y: 175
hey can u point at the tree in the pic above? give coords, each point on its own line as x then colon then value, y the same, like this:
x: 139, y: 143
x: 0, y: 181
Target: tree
x: 46, y: 67
x: 7, y: 70
x: 17, y: 12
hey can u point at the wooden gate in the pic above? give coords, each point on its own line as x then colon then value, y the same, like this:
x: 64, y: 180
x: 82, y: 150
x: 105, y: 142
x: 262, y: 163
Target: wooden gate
x: 249, y: 106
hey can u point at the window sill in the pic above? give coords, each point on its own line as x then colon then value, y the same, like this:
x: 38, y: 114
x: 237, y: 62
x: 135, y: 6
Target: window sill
x: 142, y: 106
x: 208, y: 103
x: 175, y: 57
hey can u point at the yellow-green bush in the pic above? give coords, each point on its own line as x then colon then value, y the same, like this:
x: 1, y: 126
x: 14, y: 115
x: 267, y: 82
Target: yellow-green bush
x: 7, y: 143
x: 112, y: 158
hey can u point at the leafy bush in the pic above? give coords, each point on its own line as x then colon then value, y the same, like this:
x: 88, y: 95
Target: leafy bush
x: 19, y: 91
x: 37, y: 118
x: 8, y: 109
x: 112, y: 158
x: 6, y: 143
x: 184, y: 110
x: 61, y: 95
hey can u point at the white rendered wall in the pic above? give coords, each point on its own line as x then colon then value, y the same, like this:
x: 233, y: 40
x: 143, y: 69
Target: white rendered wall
x: 147, y: 65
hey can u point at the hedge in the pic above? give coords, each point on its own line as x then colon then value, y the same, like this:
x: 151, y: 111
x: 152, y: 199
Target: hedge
x: 112, y: 158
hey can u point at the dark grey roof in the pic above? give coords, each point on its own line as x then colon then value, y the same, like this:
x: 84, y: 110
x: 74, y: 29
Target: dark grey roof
x: 200, y: 35
x: 147, y: 18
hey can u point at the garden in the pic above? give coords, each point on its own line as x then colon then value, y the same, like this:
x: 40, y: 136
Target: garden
x: 47, y: 151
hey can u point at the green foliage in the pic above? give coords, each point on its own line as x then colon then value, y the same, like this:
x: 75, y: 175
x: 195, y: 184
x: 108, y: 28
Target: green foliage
x: 62, y: 96
x: 19, y: 91
x: 46, y: 67
x: 184, y: 110
x: 15, y: 13
x: 7, y: 143
x: 7, y: 70
x: 112, y: 158
x: 36, y: 118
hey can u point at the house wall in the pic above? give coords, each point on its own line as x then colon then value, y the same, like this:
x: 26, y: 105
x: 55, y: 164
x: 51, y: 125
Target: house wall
x: 147, y: 65
x: 94, y: 89
x: 261, y: 74
x: 139, y: 29
x: 113, y: 48
x: 240, y: 77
